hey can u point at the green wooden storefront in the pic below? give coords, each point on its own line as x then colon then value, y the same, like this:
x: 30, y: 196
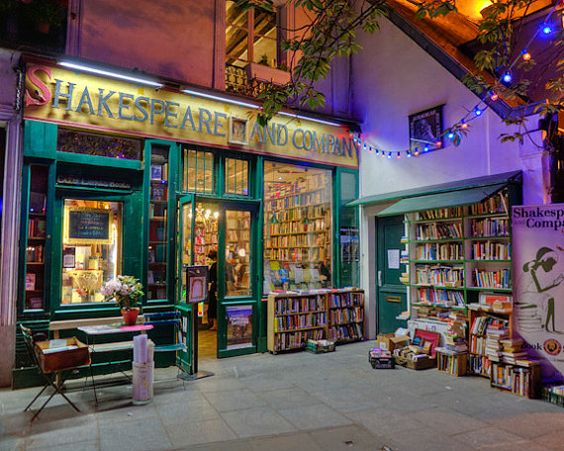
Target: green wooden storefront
x: 128, y: 182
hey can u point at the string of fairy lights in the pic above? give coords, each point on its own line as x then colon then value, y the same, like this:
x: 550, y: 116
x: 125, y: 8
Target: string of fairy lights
x: 454, y: 133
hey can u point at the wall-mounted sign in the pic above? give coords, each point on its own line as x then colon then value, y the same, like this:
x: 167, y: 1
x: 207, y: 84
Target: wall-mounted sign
x: 426, y: 128
x: 538, y: 275
x: 70, y: 98
x: 87, y: 226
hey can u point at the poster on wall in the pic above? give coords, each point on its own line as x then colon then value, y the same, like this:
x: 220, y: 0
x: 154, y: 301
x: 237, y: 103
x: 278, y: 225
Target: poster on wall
x: 538, y: 274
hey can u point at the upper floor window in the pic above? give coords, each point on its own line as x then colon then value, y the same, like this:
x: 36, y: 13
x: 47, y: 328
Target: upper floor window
x: 251, y: 36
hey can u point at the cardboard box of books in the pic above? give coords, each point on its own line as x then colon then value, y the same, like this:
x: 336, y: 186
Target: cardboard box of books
x: 421, y: 353
x: 389, y: 342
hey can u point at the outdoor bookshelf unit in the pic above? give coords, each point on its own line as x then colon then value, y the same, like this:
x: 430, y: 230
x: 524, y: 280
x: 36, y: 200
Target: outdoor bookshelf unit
x: 456, y: 253
x: 293, y: 319
x: 452, y: 362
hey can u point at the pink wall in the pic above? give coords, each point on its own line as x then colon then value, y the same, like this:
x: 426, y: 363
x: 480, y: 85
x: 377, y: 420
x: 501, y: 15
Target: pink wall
x: 171, y: 38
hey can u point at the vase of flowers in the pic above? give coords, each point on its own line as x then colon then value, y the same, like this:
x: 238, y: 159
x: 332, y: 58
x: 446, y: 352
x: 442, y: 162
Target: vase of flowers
x: 127, y: 292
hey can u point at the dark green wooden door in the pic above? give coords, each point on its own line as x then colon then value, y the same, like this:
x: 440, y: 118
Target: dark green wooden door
x: 391, y: 293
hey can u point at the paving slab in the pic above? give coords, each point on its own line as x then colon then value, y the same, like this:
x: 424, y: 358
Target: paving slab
x: 256, y: 422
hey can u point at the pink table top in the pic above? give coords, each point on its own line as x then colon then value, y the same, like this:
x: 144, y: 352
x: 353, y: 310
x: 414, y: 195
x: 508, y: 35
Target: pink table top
x: 114, y: 329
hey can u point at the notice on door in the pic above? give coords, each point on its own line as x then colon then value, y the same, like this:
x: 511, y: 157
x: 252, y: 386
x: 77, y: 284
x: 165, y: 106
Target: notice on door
x: 88, y: 226
x: 393, y: 258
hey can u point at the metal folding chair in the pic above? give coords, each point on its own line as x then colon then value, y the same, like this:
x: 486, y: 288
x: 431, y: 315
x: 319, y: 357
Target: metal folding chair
x: 49, y: 377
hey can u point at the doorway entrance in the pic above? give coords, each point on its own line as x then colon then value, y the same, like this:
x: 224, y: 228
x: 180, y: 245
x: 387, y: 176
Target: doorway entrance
x: 391, y: 294
x: 219, y: 234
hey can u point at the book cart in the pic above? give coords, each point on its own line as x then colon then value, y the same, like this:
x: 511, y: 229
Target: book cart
x: 455, y: 258
x: 293, y: 319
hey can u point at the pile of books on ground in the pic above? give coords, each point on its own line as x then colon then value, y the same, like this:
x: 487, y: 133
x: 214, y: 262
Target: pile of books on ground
x: 554, y: 394
x: 320, y: 346
x: 381, y: 359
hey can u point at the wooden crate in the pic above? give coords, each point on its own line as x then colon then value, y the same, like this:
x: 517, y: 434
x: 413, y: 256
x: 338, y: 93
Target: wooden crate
x: 62, y: 360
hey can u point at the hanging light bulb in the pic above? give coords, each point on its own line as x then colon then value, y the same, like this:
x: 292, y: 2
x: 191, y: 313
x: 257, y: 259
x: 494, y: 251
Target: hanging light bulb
x: 525, y: 55
x: 438, y: 144
x: 408, y: 154
x: 364, y: 146
x: 426, y: 149
x: 546, y: 29
x: 416, y: 152
x: 450, y: 135
x: 507, y: 77
x: 477, y: 111
x: 493, y: 96
x: 377, y: 152
x: 398, y: 155
x: 389, y: 155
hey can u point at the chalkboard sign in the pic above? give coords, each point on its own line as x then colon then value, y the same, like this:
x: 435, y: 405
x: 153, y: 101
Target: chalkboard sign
x: 88, y: 226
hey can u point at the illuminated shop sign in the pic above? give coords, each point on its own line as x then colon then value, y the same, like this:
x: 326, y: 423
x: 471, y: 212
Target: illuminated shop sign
x: 77, y: 99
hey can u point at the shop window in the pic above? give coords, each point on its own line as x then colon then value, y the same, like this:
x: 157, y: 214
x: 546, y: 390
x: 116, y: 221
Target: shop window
x: 92, y: 252
x: 349, y: 240
x: 36, y: 238
x: 297, y: 227
x: 158, y: 221
x: 98, y: 145
x: 238, y: 253
x: 236, y: 176
x: 198, y: 171
x: 251, y: 36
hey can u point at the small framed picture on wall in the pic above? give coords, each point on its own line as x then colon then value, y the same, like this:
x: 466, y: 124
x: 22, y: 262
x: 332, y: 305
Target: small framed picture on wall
x: 238, y: 130
x: 425, y: 129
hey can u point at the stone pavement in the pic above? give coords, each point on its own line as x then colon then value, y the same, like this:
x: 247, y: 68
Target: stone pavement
x: 296, y: 401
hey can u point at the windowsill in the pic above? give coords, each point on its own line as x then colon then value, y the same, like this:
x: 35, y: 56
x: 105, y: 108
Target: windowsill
x: 268, y: 74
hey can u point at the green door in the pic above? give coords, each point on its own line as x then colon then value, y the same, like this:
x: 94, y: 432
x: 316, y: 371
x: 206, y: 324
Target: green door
x: 391, y: 293
x: 184, y: 258
x: 238, y: 291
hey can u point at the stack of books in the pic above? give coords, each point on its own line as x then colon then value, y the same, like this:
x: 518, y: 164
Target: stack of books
x: 494, y: 334
x: 512, y: 351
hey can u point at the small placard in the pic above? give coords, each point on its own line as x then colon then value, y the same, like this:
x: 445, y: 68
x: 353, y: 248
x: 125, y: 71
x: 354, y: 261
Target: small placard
x: 196, y: 284
x: 88, y: 226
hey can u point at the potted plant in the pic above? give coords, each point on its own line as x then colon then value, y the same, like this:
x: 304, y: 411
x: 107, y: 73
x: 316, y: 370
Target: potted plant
x: 127, y: 292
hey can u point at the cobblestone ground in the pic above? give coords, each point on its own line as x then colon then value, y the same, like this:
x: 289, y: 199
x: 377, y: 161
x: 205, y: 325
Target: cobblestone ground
x: 291, y: 402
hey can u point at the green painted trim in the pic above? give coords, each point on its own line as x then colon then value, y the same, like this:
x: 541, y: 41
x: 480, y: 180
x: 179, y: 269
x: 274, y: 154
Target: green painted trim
x: 95, y: 160
x: 510, y: 178
x: 40, y: 140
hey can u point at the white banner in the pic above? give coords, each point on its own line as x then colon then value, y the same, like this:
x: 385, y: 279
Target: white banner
x: 538, y: 275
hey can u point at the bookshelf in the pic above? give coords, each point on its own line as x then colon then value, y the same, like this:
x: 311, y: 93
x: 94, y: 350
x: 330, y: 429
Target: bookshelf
x: 293, y: 319
x: 454, y: 254
x: 158, y: 222
x: 36, y: 239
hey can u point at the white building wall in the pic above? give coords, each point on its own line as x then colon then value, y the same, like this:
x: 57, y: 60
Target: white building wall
x: 392, y: 77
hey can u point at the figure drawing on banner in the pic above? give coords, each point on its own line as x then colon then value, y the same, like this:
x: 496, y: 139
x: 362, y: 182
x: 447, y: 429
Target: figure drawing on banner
x: 538, y: 275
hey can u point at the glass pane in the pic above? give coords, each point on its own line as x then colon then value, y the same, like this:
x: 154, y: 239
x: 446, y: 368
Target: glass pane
x: 186, y: 246
x: 91, y: 248
x: 205, y: 232
x: 236, y: 34
x: 100, y: 145
x: 239, y: 326
x: 158, y: 218
x: 238, y: 253
x: 265, y: 38
x: 297, y: 227
x: 236, y: 176
x: 198, y: 171
x: 37, y: 233
x: 349, y: 233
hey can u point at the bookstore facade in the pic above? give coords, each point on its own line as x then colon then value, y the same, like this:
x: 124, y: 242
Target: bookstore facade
x: 126, y: 179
